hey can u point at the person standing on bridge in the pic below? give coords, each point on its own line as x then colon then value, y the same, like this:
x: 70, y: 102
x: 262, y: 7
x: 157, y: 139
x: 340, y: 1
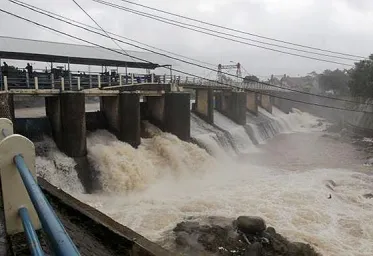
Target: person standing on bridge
x: 29, y: 70
x: 5, y: 69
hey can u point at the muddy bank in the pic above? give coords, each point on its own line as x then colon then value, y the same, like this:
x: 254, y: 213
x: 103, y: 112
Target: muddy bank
x: 246, y: 236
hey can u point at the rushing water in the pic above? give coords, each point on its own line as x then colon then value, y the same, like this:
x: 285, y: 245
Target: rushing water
x: 287, y: 179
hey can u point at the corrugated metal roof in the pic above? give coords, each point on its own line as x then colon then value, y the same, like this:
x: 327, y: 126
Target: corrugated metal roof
x: 29, y: 49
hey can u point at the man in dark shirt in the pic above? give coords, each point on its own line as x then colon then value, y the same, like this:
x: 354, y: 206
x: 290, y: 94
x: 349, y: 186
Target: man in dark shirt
x: 5, y: 69
x: 29, y: 70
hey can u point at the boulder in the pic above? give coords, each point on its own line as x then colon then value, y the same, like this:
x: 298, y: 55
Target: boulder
x: 254, y: 249
x: 368, y: 196
x: 250, y: 224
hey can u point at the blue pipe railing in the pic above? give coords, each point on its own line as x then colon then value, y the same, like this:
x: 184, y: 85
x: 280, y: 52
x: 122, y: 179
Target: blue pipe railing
x: 60, y: 241
x: 32, y: 238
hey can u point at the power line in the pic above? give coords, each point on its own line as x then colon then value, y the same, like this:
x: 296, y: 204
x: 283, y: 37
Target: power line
x: 190, y: 63
x: 98, y: 25
x: 182, y: 72
x: 111, y: 33
x: 175, y: 23
x: 242, y: 32
x: 235, y: 36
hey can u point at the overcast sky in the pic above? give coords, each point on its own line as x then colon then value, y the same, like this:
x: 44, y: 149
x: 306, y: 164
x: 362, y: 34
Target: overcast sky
x: 338, y: 25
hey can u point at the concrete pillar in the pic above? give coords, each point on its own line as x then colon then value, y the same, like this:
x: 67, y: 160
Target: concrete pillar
x: 53, y: 111
x: 73, y: 124
x: 281, y: 102
x: 266, y: 102
x: 156, y: 107
x: 218, y: 101
x: 109, y: 106
x: 177, y: 114
x: 6, y: 105
x: 233, y: 105
x: 251, y: 103
x: 204, y: 106
x: 129, y: 118
x: 237, y: 107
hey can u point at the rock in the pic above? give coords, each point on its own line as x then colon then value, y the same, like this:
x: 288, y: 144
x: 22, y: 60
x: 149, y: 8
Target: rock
x: 300, y: 249
x: 245, y: 236
x: 187, y: 227
x: 368, y: 196
x: 254, y: 249
x: 250, y: 224
x: 271, y: 230
x: 369, y: 161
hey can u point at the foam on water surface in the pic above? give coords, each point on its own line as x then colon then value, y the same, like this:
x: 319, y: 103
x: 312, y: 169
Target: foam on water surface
x: 165, y: 180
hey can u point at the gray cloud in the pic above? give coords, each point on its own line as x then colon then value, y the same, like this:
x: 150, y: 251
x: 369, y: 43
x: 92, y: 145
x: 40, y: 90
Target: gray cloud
x: 340, y: 25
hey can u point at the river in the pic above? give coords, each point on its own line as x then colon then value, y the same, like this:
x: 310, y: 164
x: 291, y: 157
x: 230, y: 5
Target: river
x: 308, y: 186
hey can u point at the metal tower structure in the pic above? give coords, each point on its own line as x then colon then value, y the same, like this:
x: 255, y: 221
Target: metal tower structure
x: 237, y: 67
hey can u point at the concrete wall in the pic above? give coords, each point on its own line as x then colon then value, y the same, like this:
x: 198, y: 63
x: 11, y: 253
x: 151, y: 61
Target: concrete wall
x: 73, y: 124
x: 233, y: 105
x: 156, y: 109
x: 177, y: 114
x: 204, y: 105
x: 251, y: 103
x: 281, y: 103
x: 53, y: 112
x: 129, y: 118
x: 109, y: 106
x: 266, y: 102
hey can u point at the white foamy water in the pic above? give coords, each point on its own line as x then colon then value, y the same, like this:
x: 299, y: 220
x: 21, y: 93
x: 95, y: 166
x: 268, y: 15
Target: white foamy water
x: 296, y: 204
x: 165, y: 180
x: 278, y: 122
x: 210, y: 138
x: 57, y: 168
x: 237, y: 132
x: 124, y: 169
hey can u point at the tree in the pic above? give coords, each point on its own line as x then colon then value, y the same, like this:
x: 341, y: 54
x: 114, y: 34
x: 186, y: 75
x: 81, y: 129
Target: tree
x: 250, y: 79
x: 336, y: 81
x: 361, y: 83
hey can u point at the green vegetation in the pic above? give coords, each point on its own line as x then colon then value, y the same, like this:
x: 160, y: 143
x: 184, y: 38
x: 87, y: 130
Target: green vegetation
x: 361, y: 83
x: 336, y: 81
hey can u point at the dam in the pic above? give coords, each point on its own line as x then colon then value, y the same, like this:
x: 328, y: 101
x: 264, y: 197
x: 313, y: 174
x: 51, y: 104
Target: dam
x: 135, y: 159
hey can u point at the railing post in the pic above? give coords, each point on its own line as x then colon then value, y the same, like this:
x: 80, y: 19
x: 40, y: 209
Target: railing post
x: 152, y: 79
x: 90, y: 81
x: 5, y: 83
x: 62, y: 83
x: 78, y: 83
x: 52, y: 80
x: 9, y: 147
x: 36, y: 83
x: 99, y: 81
x: 27, y: 80
x: 132, y: 78
x: 120, y: 79
x: 164, y: 78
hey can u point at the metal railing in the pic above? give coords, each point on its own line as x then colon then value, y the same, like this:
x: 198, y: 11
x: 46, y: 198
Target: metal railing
x: 76, y: 82
x: 28, y: 209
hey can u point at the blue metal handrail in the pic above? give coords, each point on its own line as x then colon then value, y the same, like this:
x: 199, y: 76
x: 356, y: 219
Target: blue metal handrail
x: 61, y: 243
x: 31, y: 236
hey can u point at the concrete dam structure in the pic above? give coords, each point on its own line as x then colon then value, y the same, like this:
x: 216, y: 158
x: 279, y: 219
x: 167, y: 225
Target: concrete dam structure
x: 123, y: 159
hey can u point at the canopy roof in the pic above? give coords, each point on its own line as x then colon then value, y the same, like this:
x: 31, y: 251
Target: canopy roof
x: 28, y: 49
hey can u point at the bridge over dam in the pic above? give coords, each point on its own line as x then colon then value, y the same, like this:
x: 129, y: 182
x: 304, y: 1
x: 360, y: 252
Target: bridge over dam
x: 126, y: 103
